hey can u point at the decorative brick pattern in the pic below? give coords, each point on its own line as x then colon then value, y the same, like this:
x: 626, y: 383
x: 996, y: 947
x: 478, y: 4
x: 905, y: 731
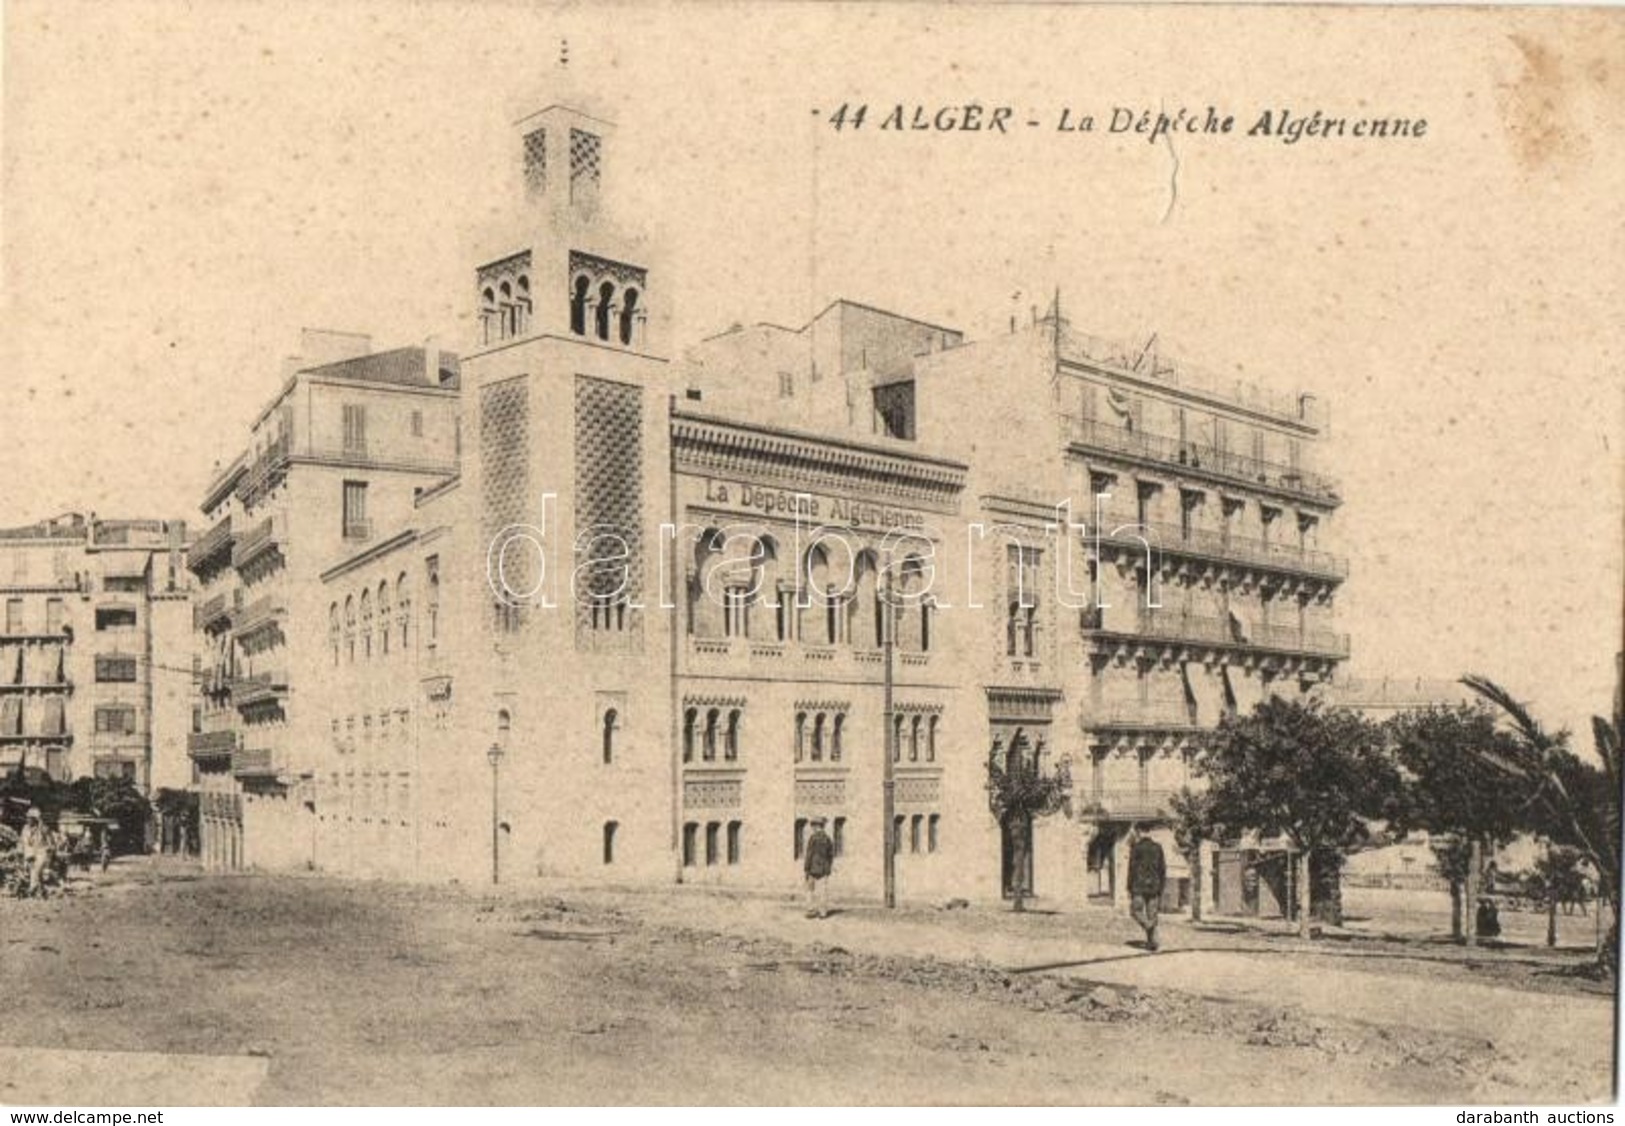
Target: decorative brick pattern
x: 713, y: 793
x: 586, y: 155
x: 919, y: 791
x: 820, y: 792
x: 505, y: 471
x: 535, y: 162
x: 608, y: 499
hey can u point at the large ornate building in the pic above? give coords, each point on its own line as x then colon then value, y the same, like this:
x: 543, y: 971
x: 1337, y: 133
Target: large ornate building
x: 642, y: 632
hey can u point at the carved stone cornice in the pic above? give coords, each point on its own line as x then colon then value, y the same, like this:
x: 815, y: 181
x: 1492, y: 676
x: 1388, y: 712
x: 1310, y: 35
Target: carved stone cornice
x: 792, y: 460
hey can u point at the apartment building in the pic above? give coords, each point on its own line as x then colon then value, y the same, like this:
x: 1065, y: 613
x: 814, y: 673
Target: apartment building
x: 95, y: 658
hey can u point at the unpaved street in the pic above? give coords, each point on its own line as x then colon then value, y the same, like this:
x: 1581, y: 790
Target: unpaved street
x: 303, y: 990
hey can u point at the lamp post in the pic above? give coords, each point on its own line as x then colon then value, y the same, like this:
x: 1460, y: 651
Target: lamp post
x: 888, y: 784
x: 494, y: 757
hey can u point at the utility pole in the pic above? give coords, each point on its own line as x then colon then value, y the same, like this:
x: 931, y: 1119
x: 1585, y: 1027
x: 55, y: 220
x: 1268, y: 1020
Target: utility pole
x: 888, y: 783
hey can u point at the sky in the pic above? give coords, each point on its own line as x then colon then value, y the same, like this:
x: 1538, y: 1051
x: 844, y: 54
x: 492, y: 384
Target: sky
x: 187, y: 185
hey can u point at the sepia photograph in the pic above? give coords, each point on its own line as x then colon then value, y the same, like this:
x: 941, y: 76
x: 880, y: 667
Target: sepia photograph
x: 811, y: 554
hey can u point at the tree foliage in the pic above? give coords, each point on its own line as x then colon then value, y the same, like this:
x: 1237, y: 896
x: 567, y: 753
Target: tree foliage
x: 1571, y: 802
x: 1450, y: 783
x: 1312, y: 774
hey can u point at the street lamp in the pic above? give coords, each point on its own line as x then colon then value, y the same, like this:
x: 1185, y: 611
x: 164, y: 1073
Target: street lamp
x: 494, y: 757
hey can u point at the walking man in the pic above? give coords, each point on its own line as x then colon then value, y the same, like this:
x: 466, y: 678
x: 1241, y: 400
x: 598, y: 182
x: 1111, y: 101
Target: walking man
x: 36, y: 849
x: 1147, y: 872
x: 818, y: 862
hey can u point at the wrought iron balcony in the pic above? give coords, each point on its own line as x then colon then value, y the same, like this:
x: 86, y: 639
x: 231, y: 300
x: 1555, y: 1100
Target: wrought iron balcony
x: 212, y: 548
x: 255, y: 761
x: 214, y: 613
x: 1229, y: 634
x: 255, y: 542
x: 1140, y: 715
x: 1178, y: 540
x: 260, y: 688
x: 358, y: 529
x: 211, y: 744
x: 1163, y: 450
x: 264, y: 473
x: 259, y: 614
x: 1127, y: 804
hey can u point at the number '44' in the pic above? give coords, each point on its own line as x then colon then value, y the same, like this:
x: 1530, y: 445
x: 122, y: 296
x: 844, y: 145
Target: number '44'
x: 849, y: 116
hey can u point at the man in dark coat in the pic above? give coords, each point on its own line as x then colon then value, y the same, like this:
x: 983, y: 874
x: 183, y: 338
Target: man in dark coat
x: 818, y: 861
x: 1147, y: 872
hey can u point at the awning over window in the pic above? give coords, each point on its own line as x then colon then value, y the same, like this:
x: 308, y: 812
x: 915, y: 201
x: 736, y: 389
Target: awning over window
x: 125, y: 564
x: 1247, y: 689
x: 1203, y: 686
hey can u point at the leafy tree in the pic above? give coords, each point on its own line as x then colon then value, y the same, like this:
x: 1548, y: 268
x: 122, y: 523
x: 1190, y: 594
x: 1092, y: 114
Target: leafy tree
x: 116, y: 798
x: 1020, y: 792
x: 1572, y: 801
x: 1452, y: 788
x: 1312, y: 774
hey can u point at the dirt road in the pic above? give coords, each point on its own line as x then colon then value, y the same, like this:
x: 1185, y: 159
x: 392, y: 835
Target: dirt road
x: 304, y: 990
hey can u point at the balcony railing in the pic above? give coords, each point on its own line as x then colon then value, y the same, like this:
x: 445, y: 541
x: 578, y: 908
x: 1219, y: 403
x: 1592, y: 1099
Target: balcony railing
x: 1231, y: 633
x: 1128, y: 804
x: 1164, y: 450
x: 1161, y: 536
x: 255, y: 542
x: 26, y: 737
x: 258, y: 761
x: 264, y: 473
x: 358, y: 529
x: 259, y: 688
x: 214, y: 613
x: 1143, y: 361
x: 207, y: 744
x: 258, y: 614
x: 206, y: 553
x: 1144, y: 714
x: 375, y: 458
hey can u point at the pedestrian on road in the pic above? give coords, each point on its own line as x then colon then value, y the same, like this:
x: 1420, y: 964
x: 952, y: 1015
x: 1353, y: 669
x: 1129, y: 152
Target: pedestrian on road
x: 818, y: 863
x: 36, y: 848
x: 1147, y: 872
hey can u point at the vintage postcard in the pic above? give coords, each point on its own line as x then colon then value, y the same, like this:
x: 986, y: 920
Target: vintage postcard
x: 811, y: 554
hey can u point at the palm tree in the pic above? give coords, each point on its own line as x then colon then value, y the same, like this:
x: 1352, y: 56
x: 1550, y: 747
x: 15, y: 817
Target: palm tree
x: 1574, y: 802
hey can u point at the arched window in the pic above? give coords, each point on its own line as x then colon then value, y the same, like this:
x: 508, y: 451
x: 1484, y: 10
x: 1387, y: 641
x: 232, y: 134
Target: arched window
x: 349, y: 628
x: 610, y: 721
x: 606, y: 306
x: 713, y: 720
x: 897, y: 738
x: 931, y: 739
x: 691, y: 719
x: 505, y: 293
x: 815, y: 579
x: 818, y: 738
x: 629, y: 311
x: 863, y: 623
x: 914, y: 740
x: 403, y: 609
x: 801, y: 735
x: 333, y: 631
x: 835, y: 737
x: 488, y: 314
x: 366, y: 624
x: 521, y: 306
x: 578, y: 305
x: 610, y: 828
x: 384, y: 629
x: 730, y: 742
